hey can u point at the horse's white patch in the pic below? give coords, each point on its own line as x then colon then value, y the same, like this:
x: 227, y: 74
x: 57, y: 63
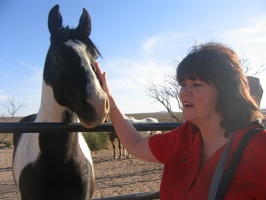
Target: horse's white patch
x: 77, y: 45
x: 145, y: 120
x: 86, y: 152
x: 80, y: 49
x: 50, y: 110
x: 84, y: 147
x: 27, y: 152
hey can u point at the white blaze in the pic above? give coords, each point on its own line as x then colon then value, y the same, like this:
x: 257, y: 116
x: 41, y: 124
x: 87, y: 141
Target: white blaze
x: 27, y: 152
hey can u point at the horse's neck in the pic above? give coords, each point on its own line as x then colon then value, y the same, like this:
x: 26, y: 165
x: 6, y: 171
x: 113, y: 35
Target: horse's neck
x: 50, y: 110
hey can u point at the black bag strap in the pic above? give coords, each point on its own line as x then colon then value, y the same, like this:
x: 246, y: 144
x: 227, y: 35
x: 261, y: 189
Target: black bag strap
x: 229, y: 172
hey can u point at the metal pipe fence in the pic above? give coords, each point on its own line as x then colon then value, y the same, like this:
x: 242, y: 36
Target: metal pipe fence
x: 138, y: 196
x: 30, y: 127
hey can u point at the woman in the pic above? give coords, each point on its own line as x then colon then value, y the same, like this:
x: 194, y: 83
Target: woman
x: 217, y: 107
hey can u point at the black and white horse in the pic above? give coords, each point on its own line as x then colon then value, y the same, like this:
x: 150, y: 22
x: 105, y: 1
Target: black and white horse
x: 59, y: 165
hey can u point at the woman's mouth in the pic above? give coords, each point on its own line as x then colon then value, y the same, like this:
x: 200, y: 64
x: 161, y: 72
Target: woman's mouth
x: 187, y: 104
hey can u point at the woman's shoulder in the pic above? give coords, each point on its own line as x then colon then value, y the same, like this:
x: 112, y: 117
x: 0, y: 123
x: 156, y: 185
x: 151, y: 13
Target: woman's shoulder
x: 257, y: 143
x: 260, y: 138
x: 181, y: 133
x: 256, y: 150
x: 186, y: 126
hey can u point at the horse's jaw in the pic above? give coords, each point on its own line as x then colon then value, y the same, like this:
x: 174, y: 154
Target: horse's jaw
x: 91, y: 125
x: 51, y: 111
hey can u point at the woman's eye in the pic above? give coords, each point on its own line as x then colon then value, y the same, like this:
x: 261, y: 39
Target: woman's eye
x: 182, y: 85
x: 197, y: 84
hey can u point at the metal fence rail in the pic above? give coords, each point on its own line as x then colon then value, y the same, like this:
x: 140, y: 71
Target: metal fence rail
x: 30, y: 127
x: 139, y: 196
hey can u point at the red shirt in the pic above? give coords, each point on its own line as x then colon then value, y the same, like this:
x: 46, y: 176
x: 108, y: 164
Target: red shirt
x: 184, y: 178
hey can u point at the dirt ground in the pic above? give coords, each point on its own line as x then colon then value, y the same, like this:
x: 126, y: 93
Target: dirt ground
x: 113, y: 177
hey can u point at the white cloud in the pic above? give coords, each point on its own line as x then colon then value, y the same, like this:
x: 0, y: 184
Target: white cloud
x: 125, y: 74
x: 162, y: 42
x: 149, y: 44
x: 253, y: 34
x: 157, y: 60
x: 249, y: 41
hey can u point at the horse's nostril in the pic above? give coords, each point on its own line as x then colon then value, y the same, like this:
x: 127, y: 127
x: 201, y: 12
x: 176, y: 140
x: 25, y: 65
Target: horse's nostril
x: 107, y: 105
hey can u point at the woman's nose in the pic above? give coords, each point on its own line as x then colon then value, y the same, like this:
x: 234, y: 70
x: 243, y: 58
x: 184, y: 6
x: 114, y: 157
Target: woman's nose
x: 184, y: 91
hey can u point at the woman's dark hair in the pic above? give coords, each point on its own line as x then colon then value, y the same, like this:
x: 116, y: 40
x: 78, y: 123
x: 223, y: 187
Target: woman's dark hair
x: 217, y: 64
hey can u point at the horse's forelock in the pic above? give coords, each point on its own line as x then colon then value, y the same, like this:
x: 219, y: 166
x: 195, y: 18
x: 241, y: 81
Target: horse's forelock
x: 65, y: 33
x: 61, y: 35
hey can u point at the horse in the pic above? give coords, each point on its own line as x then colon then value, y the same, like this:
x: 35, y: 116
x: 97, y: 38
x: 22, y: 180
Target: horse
x: 122, y: 151
x: 145, y: 120
x: 113, y: 136
x: 59, y: 165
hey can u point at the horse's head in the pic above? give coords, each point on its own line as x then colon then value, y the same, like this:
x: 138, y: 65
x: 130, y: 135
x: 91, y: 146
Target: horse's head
x: 70, y: 69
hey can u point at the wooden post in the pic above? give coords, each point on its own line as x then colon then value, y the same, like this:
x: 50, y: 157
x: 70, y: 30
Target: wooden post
x: 255, y: 88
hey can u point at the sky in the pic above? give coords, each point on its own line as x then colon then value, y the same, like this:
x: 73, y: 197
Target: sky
x: 140, y: 41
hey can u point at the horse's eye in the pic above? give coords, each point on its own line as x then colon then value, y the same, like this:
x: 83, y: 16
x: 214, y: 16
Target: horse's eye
x: 96, y: 57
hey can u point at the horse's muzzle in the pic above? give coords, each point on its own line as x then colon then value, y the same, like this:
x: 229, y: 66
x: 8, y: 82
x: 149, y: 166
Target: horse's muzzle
x: 98, y: 113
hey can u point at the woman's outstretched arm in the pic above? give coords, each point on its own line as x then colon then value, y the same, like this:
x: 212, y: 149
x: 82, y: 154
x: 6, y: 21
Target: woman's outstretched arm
x: 133, y: 141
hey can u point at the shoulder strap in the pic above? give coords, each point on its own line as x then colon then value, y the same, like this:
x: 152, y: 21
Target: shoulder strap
x: 228, y: 174
x: 217, y: 176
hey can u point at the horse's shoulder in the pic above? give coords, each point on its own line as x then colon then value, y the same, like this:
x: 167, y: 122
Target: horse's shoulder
x: 17, y: 135
x: 29, y: 118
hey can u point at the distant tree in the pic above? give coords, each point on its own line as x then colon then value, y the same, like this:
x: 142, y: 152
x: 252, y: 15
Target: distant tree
x: 164, y: 93
x: 248, y: 69
x: 12, y: 107
x: 168, y: 90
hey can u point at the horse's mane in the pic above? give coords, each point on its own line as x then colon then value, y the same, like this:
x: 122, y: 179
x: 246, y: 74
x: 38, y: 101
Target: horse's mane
x: 65, y: 33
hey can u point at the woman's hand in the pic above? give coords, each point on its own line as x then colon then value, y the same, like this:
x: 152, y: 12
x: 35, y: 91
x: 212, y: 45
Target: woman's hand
x: 103, y: 81
x: 101, y: 76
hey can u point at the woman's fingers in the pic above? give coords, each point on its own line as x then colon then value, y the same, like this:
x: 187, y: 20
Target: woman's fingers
x: 99, y: 73
x: 102, y: 77
x: 104, y: 82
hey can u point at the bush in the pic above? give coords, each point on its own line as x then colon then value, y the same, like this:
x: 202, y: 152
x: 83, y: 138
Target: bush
x: 96, y: 140
x: 8, y: 142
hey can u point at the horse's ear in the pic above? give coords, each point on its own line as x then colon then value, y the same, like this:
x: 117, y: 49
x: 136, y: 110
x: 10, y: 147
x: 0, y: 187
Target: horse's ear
x: 84, y: 26
x: 54, y: 20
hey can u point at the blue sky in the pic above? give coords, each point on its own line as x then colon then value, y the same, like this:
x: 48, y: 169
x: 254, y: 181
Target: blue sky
x: 139, y: 41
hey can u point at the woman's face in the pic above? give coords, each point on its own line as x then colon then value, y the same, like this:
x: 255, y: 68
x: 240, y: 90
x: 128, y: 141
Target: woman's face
x: 198, y: 99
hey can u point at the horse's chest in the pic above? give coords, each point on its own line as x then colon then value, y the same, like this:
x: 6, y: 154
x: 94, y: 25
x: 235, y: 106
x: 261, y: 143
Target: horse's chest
x: 40, y: 171
x: 45, y: 180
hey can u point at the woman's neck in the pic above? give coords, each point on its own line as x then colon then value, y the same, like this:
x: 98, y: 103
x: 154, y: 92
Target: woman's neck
x: 213, y: 138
